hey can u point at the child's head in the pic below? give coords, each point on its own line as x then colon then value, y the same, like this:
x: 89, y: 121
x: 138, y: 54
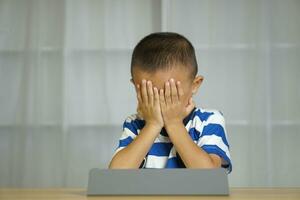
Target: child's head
x: 161, y: 56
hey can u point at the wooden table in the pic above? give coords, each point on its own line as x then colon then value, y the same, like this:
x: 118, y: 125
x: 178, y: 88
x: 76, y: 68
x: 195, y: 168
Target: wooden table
x: 79, y: 194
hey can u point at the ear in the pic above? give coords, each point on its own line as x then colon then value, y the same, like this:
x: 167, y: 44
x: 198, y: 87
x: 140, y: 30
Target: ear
x: 196, y: 83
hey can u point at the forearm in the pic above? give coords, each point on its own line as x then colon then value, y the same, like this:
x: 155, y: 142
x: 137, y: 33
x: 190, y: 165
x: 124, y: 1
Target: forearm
x: 191, y: 154
x: 132, y: 156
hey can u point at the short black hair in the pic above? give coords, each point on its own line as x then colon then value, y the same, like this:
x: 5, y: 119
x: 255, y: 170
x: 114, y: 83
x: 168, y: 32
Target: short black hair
x: 161, y: 50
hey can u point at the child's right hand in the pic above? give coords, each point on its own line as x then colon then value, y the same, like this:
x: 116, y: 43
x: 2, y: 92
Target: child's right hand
x: 148, y: 104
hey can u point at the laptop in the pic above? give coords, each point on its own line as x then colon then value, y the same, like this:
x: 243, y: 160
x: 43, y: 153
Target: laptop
x: 179, y: 181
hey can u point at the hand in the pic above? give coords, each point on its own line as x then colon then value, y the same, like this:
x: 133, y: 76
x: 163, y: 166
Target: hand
x: 172, y: 106
x: 148, y: 104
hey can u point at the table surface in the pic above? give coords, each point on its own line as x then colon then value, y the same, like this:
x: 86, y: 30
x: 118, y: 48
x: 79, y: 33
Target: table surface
x: 78, y: 194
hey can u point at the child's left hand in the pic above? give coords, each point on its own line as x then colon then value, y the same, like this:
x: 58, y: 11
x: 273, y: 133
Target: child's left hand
x: 172, y: 103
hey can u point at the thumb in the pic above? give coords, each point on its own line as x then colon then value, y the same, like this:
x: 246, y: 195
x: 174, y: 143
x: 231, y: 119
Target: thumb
x: 190, y: 106
x: 139, y: 113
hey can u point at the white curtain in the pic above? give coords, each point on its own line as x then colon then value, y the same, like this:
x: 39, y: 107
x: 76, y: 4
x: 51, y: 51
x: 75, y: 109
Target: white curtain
x: 65, y: 89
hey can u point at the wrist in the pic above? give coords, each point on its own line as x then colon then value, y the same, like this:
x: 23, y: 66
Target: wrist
x: 171, y: 125
x: 154, y: 125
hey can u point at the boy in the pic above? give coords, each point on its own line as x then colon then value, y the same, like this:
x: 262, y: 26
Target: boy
x: 168, y: 131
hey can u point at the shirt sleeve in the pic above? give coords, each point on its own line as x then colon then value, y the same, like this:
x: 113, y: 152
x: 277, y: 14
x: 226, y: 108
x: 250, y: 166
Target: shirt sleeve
x: 213, y: 139
x: 129, y: 131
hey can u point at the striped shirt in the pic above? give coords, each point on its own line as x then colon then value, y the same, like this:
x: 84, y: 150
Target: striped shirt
x: 205, y: 127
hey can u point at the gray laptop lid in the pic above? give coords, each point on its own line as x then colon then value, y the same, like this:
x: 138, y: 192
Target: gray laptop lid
x: 179, y: 181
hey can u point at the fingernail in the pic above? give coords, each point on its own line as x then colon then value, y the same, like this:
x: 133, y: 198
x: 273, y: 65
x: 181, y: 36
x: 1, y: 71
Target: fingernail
x: 178, y: 82
x: 143, y: 81
x: 149, y: 82
x: 167, y: 83
x: 172, y: 80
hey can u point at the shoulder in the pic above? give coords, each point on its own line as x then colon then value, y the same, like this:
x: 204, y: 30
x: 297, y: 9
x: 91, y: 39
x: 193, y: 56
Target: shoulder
x: 131, y: 118
x: 209, y: 115
x: 134, y: 123
x: 203, y: 117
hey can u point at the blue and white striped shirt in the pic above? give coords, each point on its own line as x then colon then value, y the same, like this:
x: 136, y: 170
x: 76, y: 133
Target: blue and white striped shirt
x: 205, y: 127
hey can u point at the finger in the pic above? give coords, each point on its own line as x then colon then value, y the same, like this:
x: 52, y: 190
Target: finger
x: 190, y: 106
x: 140, y: 116
x: 150, y: 93
x: 162, y: 99
x: 139, y: 113
x: 180, y: 91
x: 156, y: 96
x: 174, y: 95
x: 168, y: 100
x: 144, y: 92
x: 138, y: 93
